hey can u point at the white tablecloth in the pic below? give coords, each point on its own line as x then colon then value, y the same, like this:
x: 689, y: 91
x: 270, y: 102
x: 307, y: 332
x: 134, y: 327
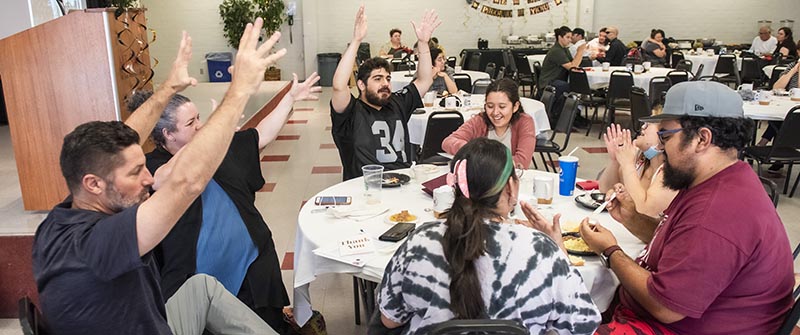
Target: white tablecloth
x: 709, y: 63
x: 535, y: 58
x: 316, y: 230
x: 775, y: 111
x: 419, y: 122
x: 599, y: 78
x: 401, y: 79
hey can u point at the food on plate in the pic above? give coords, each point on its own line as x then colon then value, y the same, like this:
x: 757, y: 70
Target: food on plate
x: 571, y: 227
x: 576, y: 244
x: 391, y: 180
x: 576, y: 260
x: 403, y: 216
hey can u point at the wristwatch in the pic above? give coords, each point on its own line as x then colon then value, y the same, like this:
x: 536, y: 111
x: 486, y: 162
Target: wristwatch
x: 605, y: 257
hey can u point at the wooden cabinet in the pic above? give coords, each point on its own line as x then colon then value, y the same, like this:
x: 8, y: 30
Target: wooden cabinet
x: 77, y: 68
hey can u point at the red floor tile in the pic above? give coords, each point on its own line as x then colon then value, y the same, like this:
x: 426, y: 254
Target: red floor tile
x: 304, y: 109
x: 288, y: 137
x: 328, y: 128
x: 275, y: 158
x: 327, y: 146
x: 303, y: 203
x: 268, y: 187
x: 596, y: 150
x: 288, y: 261
x: 297, y: 122
x: 326, y: 169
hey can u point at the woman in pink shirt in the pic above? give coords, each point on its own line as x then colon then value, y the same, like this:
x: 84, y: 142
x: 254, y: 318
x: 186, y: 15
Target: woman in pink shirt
x: 503, y: 120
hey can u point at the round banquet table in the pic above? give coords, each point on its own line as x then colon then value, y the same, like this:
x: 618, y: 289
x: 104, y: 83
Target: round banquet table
x: 599, y: 78
x: 402, y: 78
x: 775, y: 111
x: 418, y: 123
x: 319, y: 233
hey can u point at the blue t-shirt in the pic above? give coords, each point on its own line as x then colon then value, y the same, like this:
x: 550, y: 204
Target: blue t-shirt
x: 224, y: 247
x: 90, y: 277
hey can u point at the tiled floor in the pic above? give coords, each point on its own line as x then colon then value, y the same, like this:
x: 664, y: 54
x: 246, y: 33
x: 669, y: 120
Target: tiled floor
x: 298, y: 166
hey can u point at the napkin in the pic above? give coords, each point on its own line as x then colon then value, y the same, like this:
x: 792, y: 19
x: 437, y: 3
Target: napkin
x: 358, y: 213
x: 588, y: 185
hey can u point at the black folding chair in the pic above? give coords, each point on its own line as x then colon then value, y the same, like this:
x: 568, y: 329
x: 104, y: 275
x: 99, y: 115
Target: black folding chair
x: 490, y: 69
x: 30, y: 319
x: 699, y: 71
x: 586, y: 62
x: 617, y: 97
x: 501, y: 73
x: 658, y: 89
x: 776, y: 74
x: 451, y: 61
x: 481, y: 326
x: 537, y: 71
x: 677, y: 56
x: 678, y: 76
x: 640, y: 107
x: 726, y: 65
x: 564, y: 125
x: 480, y: 86
x: 684, y: 65
x: 549, y: 99
x: 463, y: 82
x: 474, y: 62
x: 579, y: 83
x: 524, y: 73
x: 784, y: 148
x: 750, y: 72
x: 440, y: 125
x: 772, y: 192
x: 791, y: 318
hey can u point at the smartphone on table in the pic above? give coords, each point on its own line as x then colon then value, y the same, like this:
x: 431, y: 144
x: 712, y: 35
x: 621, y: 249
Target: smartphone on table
x: 398, y: 232
x: 338, y: 200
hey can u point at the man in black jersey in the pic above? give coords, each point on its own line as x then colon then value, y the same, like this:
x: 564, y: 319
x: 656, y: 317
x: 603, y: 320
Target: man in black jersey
x: 372, y: 129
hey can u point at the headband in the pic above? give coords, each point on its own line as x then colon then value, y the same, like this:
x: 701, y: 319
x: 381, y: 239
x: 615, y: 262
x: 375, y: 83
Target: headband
x: 458, y: 178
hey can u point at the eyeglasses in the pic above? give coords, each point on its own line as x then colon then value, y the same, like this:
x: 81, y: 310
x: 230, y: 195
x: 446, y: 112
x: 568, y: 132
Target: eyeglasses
x: 662, y: 133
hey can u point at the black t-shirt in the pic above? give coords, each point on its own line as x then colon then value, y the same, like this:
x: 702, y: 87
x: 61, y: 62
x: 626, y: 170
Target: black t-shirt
x: 90, y: 277
x: 365, y: 135
x: 616, y: 53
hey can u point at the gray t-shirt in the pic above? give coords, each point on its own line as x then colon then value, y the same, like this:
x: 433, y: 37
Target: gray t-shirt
x: 649, y: 49
x: 524, y: 276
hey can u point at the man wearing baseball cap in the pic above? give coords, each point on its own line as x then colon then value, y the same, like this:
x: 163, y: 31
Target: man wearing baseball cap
x: 718, y: 260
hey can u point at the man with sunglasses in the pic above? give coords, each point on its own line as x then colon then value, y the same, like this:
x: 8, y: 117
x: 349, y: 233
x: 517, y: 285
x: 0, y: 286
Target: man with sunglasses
x: 718, y: 259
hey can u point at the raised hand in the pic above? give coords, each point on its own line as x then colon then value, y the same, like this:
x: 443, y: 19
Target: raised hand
x: 178, y: 78
x: 360, y: 26
x: 252, y: 60
x: 305, y: 90
x: 538, y: 222
x: 430, y: 21
x: 613, y: 138
x: 626, y: 151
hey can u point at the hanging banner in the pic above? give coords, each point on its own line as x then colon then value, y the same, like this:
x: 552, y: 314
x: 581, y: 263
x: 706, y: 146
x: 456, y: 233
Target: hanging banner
x: 531, y: 7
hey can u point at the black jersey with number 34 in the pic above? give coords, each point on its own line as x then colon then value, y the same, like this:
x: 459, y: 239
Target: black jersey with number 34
x: 365, y: 135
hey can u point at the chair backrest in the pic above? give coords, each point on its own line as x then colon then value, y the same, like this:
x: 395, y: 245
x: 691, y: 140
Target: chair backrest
x: 501, y: 73
x: 640, y: 107
x: 523, y: 66
x: 586, y: 62
x: 677, y: 56
x: 549, y: 99
x: 30, y: 320
x: 772, y: 192
x: 567, y: 118
x: 788, y: 59
x: 579, y: 82
x: 776, y: 73
x: 658, y: 88
x: 750, y: 71
x: 451, y: 61
x: 537, y: 71
x: 707, y: 78
x: 474, y: 62
x: 400, y: 65
x: 726, y: 64
x: 699, y: 71
x: 463, y: 81
x: 440, y: 125
x: 490, y: 69
x: 480, y: 85
x: 483, y: 326
x: 791, y: 319
x: 685, y: 65
x: 788, y: 136
x: 510, y: 63
x: 619, y: 87
x: 678, y: 76
x: 463, y: 57
x: 363, y: 53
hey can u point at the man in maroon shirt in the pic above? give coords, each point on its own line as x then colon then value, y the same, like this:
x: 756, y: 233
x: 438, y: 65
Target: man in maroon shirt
x: 718, y: 259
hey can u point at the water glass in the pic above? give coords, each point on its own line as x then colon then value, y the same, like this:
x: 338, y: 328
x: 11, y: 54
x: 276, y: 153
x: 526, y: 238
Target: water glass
x: 373, y: 182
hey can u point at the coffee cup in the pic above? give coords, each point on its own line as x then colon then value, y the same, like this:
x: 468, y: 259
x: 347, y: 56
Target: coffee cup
x: 794, y: 94
x: 629, y: 67
x: 458, y: 69
x: 638, y: 69
x: 443, y: 198
x: 566, y: 178
x: 764, y: 97
x: 466, y: 98
x: 450, y: 102
x: 710, y: 52
x: 543, y: 189
x: 428, y: 98
x: 647, y: 65
x: 606, y: 66
x: 745, y: 87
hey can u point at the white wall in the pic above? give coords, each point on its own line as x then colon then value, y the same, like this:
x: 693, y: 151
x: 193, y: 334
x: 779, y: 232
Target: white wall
x: 201, y: 19
x: 14, y: 17
x: 731, y: 21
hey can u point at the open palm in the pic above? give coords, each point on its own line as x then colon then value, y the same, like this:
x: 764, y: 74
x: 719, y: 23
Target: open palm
x: 430, y: 21
x: 305, y: 90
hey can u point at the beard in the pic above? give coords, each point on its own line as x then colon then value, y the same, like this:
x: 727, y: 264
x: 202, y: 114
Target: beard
x: 677, y: 179
x: 375, y: 97
x: 119, y: 202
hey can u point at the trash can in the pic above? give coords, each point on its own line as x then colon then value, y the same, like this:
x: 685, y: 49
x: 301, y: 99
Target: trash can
x: 326, y: 67
x: 218, y: 64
